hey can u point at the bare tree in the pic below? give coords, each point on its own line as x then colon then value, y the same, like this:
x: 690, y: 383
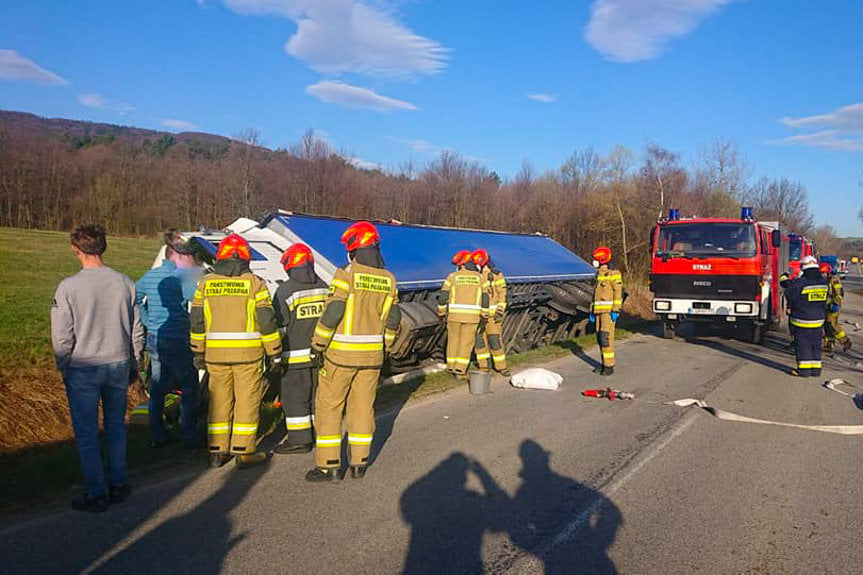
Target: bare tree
x: 249, y: 140
x: 781, y: 200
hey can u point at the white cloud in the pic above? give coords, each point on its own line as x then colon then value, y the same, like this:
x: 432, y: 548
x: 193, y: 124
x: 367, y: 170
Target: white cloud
x: 422, y: 146
x: 634, y: 30
x: 181, y: 125
x: 544, y: 98
x: 14, y: 66
x: 362, y: 164
x: 356, y: 97
x: 93, y: 100
x: 338, y: 36
x: 841, y: 129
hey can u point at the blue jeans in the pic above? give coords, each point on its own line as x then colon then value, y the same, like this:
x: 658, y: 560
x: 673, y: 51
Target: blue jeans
x: 171, y: 360
x: 85, y: 387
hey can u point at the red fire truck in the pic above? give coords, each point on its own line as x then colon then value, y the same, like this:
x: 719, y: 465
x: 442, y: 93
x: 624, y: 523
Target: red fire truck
x: 718, y: 271
x: 799, y: 247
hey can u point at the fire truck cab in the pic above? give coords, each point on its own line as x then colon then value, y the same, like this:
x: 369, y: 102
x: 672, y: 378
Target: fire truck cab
x: 719, y: 271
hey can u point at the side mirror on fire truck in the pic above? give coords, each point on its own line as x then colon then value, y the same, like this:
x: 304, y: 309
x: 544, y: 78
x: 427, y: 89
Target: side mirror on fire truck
x: 776, y: 239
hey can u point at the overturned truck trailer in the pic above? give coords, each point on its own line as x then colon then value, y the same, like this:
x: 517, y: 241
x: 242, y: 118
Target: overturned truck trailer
x: 549, y: 287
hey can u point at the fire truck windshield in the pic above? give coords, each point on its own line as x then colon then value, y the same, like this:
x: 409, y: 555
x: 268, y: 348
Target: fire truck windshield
x: 706, y: 239
x: 795, y: 249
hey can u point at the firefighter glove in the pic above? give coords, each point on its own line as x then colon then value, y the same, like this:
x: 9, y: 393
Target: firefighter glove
x: 834, y: 308
x: 199, y: 362
x: 614, y: 316
x: 275, y: 363
x: 498, y: 316
x: 591, y: 318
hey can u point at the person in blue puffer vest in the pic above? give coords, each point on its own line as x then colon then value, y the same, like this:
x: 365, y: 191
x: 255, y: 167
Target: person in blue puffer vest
x: 164, y: 293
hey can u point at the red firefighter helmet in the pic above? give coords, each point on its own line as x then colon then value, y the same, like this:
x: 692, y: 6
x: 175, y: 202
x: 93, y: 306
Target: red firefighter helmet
x: 825, y: 268
x: 234, y: 246
x: 480, y: 257
x: 360, y: 235
x: 461, y: 257
x: 602, y: 255
x: 297, y: 255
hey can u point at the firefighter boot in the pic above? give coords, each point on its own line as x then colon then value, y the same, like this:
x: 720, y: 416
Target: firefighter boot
x: 323, y: 475
x: 600, y: 369
x: 248, y: 460
x: 358, y: 471
x: 846, y: 345
x: 286, y: 448
x: 219, y: 459
x: 607, y: 371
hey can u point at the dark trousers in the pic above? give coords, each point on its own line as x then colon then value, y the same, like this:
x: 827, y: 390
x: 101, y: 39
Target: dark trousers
x: 297, y: 395
x: 808, y: 351
x: 170, y: 361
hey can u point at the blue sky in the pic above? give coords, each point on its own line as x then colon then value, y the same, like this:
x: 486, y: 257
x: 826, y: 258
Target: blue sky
x: 391, y: 80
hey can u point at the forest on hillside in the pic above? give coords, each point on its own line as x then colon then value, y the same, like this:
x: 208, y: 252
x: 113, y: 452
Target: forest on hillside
x: 58, y: 173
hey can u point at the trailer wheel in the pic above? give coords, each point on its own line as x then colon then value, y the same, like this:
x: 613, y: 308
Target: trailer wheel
x: 668, y: 330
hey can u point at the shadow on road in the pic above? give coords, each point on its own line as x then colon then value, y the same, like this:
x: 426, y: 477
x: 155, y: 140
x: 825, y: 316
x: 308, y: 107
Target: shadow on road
x: 742, y: 354
x: 557, y: 521
x: 195, y: 542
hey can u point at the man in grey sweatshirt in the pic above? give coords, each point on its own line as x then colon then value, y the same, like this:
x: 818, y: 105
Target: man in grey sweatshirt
x: 97, y: 337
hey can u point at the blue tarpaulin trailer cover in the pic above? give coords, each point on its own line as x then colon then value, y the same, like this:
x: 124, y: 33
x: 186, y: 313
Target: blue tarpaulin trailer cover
x: 419, y: 256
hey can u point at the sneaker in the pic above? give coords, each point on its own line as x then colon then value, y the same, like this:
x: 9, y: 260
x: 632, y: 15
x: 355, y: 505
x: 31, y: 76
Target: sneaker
x: 248, y: 460
x: 119, y: 493
x: 84, y: 503
x: 218, y: 459
x: 358, y: 471
x: 323, y: 475
x: 289, y: 449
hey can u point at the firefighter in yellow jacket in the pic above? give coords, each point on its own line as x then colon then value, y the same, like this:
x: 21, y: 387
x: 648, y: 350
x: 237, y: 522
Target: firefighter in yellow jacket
x: 607, y: 301
x: 360, y: 321
x: 489, y: 342
x: 233, y: 326
x: 833, y: 332
x: 463, y: 301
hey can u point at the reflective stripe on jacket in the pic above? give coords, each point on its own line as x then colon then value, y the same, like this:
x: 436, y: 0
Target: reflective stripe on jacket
x: 608, y: 293
x: 366, y: 320
x: 232, y: 320
x: 464, y: 297
x: 807, y: 298
x: 298, y: 307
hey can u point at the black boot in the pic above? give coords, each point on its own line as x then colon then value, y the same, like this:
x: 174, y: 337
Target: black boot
x: 119, y: 493
x: 84, y: 503
x: 218, y: 459
x: 248, y: 460
x: 358, y: 471
x: 607, y: 371
x: 600, y: 369
x: 288, y: 449
x: 846, y: 345
x: 323, y: 475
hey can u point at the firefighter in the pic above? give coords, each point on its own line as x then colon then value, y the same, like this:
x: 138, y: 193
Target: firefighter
x: 807, y: 298
x: 233, y: 327
x: 298, y: 303
x: 835, y: 294
x: 463, y: 301
x: 360, y: 321
x: 607, y: 301
x: 489, y: 343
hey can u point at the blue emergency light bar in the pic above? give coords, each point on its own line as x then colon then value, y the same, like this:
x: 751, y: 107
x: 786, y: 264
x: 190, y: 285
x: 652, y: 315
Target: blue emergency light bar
x: 746, y: 213
x: 673, y: 214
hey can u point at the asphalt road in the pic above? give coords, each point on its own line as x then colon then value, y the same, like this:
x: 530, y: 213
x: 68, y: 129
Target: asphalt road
x: 526, y: 481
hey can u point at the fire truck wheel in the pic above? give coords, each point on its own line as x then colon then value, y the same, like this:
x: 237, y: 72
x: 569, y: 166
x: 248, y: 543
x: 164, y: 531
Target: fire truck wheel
x: 668, y: 330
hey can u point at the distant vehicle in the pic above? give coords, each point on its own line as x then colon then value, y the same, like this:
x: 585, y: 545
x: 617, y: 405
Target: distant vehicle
x: 843, y: 268
x: 799, y: 247
x: 855, y: 260
x: 718, y: 271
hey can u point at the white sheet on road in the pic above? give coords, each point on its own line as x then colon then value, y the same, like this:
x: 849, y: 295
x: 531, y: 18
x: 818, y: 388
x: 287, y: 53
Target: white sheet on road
x: 537, y: 378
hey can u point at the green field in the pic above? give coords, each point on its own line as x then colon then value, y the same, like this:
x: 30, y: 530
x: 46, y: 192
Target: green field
x: 32, y: 263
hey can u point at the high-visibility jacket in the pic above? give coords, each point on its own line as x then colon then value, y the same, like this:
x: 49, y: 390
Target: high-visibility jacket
x: 835, y: 292
x: 807, y: 298
x: 496, y: 291
x: 608, y: 293
x: 232, y: 320
x: 298, y: 307
x: 464, y: 297
x: 361, y: 317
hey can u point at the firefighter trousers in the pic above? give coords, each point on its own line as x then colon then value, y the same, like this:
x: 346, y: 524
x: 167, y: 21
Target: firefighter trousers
x: 297, y: 395
x: 605, y: 338
x: 350, y: 390
x: 808, y: 351
x: 833, y: 332
x: 236, y: 391
x: 460, y: 341
x: 489, y: 346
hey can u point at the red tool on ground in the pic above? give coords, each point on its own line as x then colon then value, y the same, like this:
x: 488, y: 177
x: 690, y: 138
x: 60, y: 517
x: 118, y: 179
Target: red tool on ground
x: 607, y: 393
